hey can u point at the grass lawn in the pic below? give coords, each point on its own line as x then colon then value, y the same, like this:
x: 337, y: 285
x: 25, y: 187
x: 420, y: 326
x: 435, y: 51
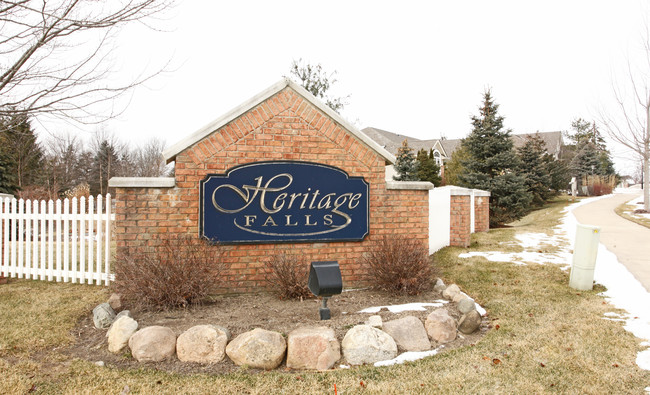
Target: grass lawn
x: 545, y: 337
x: 625, y: 210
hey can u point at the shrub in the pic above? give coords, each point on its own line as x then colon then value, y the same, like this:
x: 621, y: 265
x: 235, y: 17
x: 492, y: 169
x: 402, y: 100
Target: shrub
x: 177, y: 272
x: 400, y: 264
x: 287, y: 277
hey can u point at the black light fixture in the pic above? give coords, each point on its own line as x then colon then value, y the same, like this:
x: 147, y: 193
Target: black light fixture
x: 325, y: 280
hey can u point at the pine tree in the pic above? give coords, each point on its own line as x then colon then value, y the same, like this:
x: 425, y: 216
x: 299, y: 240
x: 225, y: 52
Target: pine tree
x: 428, y: 169
x: 7, y: 178
x: 24, y: 153
x: 535, y: 169
x: 405, y: 165
x: 492, y: 165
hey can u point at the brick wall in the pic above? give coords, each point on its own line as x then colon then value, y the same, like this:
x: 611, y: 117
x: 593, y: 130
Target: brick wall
x: 285, y: 126
x: 481, y: 213
x: 460, y: 217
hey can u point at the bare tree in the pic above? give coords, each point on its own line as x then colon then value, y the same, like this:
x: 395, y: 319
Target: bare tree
x: 56, y: 55
x: 631, y: 125
x: 148, y: 160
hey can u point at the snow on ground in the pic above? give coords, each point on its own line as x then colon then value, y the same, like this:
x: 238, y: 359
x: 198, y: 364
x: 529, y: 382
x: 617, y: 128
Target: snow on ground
x: 623, y: 290
x: 637, y: 203
x: 398, y: 308
x: 408, y: 356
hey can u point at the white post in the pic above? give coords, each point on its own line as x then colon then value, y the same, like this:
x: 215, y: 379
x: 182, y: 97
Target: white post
x: 13, y: 237
x: 5, y: 237
x: 59, y: 231
x: 28, y: 239
x: 35, y: 240
x: 50, y: 240
x: 42, y: 270
x: 82, y: 241
x: 74, y: 236
x: 585, y: 252
x: 66, y: 240
x: 107, y: 239
x: 91, y: 206
x: 98, y: 260
x: 20, y: 245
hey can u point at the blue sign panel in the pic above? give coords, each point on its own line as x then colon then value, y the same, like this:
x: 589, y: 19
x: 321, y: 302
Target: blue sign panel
x: 283, y: 201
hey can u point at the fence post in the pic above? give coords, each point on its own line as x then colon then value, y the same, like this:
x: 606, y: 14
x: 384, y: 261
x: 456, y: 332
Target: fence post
x: 28, y: 238
x: 19, y: 243
x: 66, y: 240
x: 74, y: 237
x: 98, y: 265
x: 5, y: 240
x: 91, y: 205
x: 82, y: 241
x: 42, y: 270
x: 107, y: 239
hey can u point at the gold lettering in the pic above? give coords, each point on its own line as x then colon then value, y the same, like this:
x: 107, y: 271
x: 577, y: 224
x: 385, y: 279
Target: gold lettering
x: 250, y: 219
x: 304, y: 199
x: 293, y: 197
x: 327, y: 220
x: 326, y: 201
x: 313, y: 199
x: 280, y: 198
x: 267, y: 188
x: 307, y: 223
x: 353, y: 199
x: 271, y: 221
x: 289, y: 221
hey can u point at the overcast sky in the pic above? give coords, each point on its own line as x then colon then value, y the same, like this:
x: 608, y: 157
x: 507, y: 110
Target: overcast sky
x: 416, y: 68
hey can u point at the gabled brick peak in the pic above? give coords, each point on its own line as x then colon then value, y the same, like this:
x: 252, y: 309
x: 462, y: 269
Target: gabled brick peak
x: 171, y: 152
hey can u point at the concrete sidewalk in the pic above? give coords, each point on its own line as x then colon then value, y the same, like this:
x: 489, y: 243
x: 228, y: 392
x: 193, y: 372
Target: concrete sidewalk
x: 628, y: 241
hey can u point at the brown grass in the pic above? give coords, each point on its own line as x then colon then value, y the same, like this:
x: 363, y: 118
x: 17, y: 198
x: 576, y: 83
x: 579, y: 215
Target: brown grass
x: 287, y: 277
x: 623, y: 211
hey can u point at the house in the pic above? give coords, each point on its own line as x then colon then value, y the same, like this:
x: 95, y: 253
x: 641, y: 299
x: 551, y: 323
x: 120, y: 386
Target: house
x: 444, y: 148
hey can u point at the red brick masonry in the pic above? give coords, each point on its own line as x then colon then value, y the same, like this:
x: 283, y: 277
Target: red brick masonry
x: 286, y: 126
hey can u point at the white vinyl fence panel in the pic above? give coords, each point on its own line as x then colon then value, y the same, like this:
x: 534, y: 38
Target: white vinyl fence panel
x: 56, y: 241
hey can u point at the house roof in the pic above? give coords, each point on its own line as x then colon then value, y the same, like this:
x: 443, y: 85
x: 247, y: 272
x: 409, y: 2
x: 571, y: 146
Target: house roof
x: 392, y: 141
x: 171, y: 152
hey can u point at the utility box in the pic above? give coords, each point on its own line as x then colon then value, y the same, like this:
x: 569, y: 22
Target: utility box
x: 325, y: 280
x: 585, y: 252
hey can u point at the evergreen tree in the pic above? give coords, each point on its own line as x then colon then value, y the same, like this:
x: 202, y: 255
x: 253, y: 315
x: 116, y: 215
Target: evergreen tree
x: 492, y: 164
x: 7, y: 178
x: 318, y: 83
x: 590, y: 153
x: 405, y: 165
x: 535, y: 169
x: 105, y: 165
x: 25, y: 155
x: 454, y: 167
x: 428, y: 169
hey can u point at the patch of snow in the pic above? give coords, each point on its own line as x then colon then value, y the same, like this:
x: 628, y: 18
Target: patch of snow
x: 399, y: 308
x: 643, y: 360
x: 344, y: 366
x: 407, y: 357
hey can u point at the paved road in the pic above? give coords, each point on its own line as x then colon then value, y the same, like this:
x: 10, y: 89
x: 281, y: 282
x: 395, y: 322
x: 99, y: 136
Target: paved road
x: 628, y: 241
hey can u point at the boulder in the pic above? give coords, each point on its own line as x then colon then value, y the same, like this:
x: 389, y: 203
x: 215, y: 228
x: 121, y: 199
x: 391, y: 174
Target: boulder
x: 103, y: 316
x: 459, y: 297
x: 202, y: 344
x: 375, y: 321
x: 365, y: 344
x: 469, y: 322
x: 123, y: 313
x: 259, y: 348
x: 115, y: 301
x: 312, y: 348
x: 153, y: 344
x: 439, y: 286
x: 450, y: 292
x: 440, y: 326
x: 466, y: 305
x: 408, y: 333
x: 120, y: 332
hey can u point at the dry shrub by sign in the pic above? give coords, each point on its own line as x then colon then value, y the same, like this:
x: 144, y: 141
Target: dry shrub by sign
x: 179, y: 271
x: 400, y: 264
x: 287, y: 277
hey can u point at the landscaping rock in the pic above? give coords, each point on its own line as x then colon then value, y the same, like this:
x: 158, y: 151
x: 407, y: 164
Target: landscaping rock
x: 459, y: 297
x: 469, y: 322
x: 365, y: 344
x: 440, y: 326
x: 115, y: 301
x: 202, y: 344
x: 103, y: 316
x: 466, y: 305
x: 450, y: 292
x: 123, y: 313
x: 408, y: 333
x: 375, y: 321
x: 259, y: 348
x: 120, y: 332
x: 440, y: 286
x: 312, y: 348
x: 153, y: 344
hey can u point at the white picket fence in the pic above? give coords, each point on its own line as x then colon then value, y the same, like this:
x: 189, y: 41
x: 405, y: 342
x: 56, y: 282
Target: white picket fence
x: 67, y: 241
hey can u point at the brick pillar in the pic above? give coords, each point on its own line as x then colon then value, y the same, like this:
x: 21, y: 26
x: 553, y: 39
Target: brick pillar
x: 460, y: 217
x: 481, y: 211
